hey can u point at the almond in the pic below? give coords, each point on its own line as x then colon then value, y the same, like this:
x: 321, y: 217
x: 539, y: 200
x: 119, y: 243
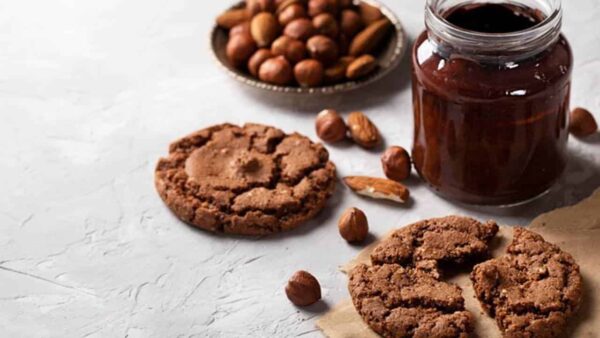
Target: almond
x: 363, y: 131
x: 369, y: 13
x: 264, y: 29
x: 370, y: 37
x: 361, y: 67
x: 378, y: 188
x: 232, y: 17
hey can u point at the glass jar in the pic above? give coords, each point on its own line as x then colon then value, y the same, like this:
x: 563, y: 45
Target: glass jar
x: 491, y: 86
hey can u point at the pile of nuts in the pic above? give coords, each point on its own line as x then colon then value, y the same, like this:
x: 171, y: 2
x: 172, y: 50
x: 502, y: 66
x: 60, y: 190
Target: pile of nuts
x: 304, y: 42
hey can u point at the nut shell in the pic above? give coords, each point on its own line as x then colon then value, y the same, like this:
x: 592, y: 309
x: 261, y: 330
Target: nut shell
x: 330, y: 126
x: 353, y: 225
x: 322, y: 48
x: 276, y: 70
x: 264, y: 29
x: 396, y: 163
x: 316, y: 7
x: 291, y: 13
x: 327, y: 25
x: 309, y: 73
x: 300, y: 29
x: 257, y: 60
x: 369, y: 13
x: 293, y: 50
x: 582, y: 123
x: 350, y: 23
x: 256, y: 6
x: 242, y: 28
x: 363, y: 131
x: 303, y: 289
x: 239, y: 49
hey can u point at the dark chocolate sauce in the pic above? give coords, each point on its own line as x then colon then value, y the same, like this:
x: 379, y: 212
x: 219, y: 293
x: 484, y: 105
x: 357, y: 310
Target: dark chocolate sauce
x: 493, y: 18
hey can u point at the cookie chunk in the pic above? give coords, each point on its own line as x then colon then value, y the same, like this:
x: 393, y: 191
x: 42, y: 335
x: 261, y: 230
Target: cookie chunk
x: 408, y: 302
x: 532, y: 290
x: 402, y: 293
x: 451, y: 239
x: 249, y: 180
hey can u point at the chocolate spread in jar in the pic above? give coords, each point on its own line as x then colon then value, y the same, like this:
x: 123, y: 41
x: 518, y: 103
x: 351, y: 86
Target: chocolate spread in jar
x: 490, y: 132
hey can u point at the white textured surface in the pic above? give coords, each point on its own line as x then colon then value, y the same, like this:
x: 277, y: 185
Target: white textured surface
x: 92, y: 92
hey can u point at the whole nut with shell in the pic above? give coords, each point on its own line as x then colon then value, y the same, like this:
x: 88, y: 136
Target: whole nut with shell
x: 291, y: 13
x: 350, y: 22
x: 232, y: 18
x: 369, y: 13
x: 242, y: 28
x: 293, y: 50
x: 353, y: 225
x: 327, y: 25
x: 257, y: 59
x: 300, y: 29
x: 316, y: 7
x: 309, y: 73
x: 322, y: 48
x: 239, y: 49
x: 361, y: 67
x: 256, y: 6
x: 276, y: 70
x: 396, y: 163
x: 363, y: 131
x: 330, y: 126
x: 303, y: 289
x: 264, y: 29
x: 582, y: 123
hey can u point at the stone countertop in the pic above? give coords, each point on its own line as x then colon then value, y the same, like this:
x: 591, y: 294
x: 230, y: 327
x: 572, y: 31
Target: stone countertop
x: 91, y: 94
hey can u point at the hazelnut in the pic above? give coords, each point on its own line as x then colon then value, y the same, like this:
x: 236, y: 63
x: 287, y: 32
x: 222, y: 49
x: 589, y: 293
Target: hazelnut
x: 264, y: 29
x: 303, y: 289
x: 276, y: 70
x: 325, y: 24
x: 396, y: 163
x: 242, y: 28
x: 361, y: 67
x: 316, y: 7
x: 330, y: 126
x: 345, y: 3
x: 350, y: 23
x: 256, y: 6
x: 290, y: 13
x: 309, y: 73
x: 257, y: 59
x: 300, y: 29
x: 239, y: 49
x: 353, y: 225
x: 582, y: 123
x: 323, y: 49
x: 293, y: 50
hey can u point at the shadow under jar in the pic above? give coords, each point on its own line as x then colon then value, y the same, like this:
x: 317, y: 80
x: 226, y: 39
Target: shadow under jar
x: 491, y: 87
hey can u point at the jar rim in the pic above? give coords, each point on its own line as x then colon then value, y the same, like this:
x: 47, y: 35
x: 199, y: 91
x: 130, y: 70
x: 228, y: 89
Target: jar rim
x: 527, y: 41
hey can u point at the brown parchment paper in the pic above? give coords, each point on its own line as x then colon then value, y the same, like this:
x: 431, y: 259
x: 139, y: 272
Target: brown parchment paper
x: 575, y: 229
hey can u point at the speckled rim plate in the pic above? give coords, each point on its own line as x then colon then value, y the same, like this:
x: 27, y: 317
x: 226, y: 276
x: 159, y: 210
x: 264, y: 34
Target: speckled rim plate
x: 388, y: 58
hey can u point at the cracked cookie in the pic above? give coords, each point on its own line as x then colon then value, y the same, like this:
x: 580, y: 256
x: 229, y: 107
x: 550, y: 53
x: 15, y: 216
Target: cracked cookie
x: 402, y: 293
x: 532, y: 290
x: 249, y: 180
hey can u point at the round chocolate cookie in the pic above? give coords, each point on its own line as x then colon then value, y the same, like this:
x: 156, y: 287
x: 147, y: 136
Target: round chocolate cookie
x: 532, y: 290
x: 250, y: 180
x: 402, y: 294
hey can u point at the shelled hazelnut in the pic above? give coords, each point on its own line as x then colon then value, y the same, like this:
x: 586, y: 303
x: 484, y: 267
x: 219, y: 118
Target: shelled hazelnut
x: 396, y: 163
x: 303, y: 289
x: 325, y: 31
x: 330, y: 126
x: 582, y: 123
x: 353, y: 225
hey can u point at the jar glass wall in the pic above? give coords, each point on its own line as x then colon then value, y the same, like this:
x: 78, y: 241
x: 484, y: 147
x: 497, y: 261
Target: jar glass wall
x: 491, y: 87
